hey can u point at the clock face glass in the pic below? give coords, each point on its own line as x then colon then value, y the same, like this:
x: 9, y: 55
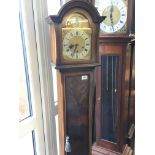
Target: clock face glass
x: 116, y: 16
x: 76, y: 38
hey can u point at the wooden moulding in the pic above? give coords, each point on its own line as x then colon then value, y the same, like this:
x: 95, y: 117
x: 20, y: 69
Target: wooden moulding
x: 97, y: 150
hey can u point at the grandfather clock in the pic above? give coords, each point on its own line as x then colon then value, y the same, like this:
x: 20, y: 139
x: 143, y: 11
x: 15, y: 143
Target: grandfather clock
x: 111, y: 113
x: 74, y: 51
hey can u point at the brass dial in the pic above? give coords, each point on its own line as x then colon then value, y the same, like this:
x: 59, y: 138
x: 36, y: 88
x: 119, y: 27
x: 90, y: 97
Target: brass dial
x: 77, y: 44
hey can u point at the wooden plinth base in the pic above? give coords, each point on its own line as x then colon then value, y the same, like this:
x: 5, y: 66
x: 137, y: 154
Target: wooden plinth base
x: 97, y: 150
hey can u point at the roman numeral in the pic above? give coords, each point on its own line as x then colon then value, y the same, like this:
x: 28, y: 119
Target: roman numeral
x: 71, y: 34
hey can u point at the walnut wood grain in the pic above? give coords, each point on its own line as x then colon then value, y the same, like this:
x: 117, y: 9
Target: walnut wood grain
x: 77, y: 113
x: 75, y: 109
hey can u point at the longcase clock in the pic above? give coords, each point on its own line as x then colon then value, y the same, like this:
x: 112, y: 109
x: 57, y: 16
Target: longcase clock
x: 111, y: 98
x: 111, y: 116
x: 74, y: 52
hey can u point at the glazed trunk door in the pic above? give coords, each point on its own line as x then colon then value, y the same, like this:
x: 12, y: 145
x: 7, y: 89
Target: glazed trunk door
x: 108, y: 108
x: 110, y: 98
x: 77, y: 113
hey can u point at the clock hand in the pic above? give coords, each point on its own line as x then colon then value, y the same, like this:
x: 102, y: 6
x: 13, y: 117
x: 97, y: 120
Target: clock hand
x: 111, y: 15
x: 71, y: 46
x: 76, y: 45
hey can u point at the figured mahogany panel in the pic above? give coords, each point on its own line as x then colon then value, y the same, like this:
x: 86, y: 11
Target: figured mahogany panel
x: 77, y: 113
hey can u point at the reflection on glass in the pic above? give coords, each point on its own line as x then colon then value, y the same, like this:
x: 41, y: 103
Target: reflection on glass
x: 24, y: 90
x: 27, y: 145
x: 109, y: 98
x: 75, y: 20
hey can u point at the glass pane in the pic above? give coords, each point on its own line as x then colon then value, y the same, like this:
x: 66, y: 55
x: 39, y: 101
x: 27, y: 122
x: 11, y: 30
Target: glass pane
x: 75, y: 20
x: 24, y: 96
x: 110, y: 98
x: 26, y: 145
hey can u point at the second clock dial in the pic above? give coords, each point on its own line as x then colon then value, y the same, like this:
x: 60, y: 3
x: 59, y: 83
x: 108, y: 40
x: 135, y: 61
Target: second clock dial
x: 116, y: 16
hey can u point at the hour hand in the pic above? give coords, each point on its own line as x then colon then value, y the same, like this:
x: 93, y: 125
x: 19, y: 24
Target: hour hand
x: 76, y: 45
x: 75, y: 49
x: 71, y: 46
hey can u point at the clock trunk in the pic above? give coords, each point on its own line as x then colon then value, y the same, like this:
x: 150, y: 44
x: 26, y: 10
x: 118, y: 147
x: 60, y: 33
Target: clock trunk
x: 76, y: 109
x: 77, y: 112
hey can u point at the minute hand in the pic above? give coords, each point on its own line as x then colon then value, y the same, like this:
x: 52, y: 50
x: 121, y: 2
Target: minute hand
x: 76, y: 45
x: 111, y: 16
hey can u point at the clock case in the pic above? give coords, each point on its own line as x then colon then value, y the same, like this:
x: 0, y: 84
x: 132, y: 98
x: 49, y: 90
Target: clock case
x: 55, y: 22
x: 75, y: 82
x: 111, y: 47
